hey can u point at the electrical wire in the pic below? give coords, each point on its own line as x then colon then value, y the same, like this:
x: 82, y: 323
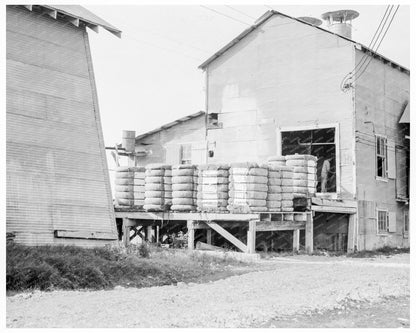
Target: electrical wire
x: 225, y: 15
x: 388, y: 27
x: 377, y: 33
x: 241, y: 12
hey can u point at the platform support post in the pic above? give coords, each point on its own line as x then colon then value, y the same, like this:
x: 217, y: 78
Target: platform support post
x: 296, y: 237
x: 352, y: 227
x: 309, y: 233
x: 191, y: 235
x: 157, y: 234
x: 251, y: 237
x: 209, y: 236
x: 150, y: 234
x: 126, y: 233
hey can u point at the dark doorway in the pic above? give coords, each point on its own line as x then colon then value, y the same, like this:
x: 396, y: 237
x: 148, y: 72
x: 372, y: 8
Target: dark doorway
x: 319, y: 143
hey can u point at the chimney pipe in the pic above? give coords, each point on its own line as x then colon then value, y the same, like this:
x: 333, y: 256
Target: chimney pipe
x: 339, y: 21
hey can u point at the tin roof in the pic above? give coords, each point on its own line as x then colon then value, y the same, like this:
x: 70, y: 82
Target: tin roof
x: 77, y: 14
x: 171, y: 124
x: 267, y: 15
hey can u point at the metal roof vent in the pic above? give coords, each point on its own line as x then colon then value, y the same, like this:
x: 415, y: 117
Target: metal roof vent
x: 311, y: 20
x: 339, y: 21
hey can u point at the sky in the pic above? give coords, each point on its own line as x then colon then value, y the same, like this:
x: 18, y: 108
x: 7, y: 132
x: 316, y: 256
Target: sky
x: 150, y: 76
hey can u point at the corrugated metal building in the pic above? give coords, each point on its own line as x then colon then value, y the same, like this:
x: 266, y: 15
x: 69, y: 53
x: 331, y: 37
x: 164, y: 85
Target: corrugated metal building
x: 58, y: 189
x: 275, y: 89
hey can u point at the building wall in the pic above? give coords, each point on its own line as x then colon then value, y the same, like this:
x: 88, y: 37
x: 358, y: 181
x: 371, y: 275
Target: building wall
x: 283, y: 74
x: 165, y: 144
x: 381, y: 94
x: 57, y: 176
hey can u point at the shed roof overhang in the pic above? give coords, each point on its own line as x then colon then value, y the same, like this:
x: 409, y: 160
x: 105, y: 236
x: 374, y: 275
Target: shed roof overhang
x: 405, y: 118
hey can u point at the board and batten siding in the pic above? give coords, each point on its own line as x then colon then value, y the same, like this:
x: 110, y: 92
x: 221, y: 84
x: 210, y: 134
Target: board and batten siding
x: 165, y: 144
x: 283, y: 74
x: 381, y: 94
x: 57, y: 176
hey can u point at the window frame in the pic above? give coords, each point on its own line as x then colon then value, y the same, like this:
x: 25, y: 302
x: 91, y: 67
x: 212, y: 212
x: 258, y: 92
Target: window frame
x: 281, y: 129
x: 188, y: 160
x: 386, y: 231
x: 385, y: 157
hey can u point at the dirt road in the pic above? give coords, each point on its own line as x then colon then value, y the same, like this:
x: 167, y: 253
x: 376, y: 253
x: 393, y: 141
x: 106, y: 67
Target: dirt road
x: 280, y: 288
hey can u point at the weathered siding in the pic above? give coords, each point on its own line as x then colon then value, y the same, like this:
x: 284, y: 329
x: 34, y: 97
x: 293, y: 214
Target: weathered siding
x: 57, y: 175
x: 380, y: 97
x: 191, y: 131
x: 283, y: 74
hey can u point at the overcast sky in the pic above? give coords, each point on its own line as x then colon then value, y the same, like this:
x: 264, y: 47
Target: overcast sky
x: 149, y: 77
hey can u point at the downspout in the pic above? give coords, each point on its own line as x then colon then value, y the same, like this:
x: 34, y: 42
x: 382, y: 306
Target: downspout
x: 206, y: 114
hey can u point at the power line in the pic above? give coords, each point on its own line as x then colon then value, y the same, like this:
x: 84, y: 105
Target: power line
x: 387, y: 29
x: 365, y: 57
x: 225, y: 15
x: 241, y: 12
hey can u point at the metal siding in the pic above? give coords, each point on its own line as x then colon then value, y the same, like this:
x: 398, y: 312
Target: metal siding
x: 56, y: 173
x: 380, y: 96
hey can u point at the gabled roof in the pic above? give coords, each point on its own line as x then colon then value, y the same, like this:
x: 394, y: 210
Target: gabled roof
x: 76, y: 14
x: 266, y: 16
x: 173, y: 123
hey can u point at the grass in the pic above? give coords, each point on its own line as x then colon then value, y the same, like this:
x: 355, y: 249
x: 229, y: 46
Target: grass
x: 69, y: 267
x: 385, y: 251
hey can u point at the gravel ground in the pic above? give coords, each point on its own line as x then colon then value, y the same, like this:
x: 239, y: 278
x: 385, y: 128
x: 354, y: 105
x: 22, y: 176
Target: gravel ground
x: 283, y: 287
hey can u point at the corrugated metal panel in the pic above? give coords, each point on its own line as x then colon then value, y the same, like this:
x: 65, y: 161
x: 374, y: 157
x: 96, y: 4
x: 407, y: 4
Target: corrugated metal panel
x: 45, y: 28
x: 29, y: 50
x: 56, y: 173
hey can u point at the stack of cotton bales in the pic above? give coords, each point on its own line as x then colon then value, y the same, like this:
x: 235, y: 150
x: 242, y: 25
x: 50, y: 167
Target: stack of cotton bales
x: 304, y: 176
x: 277, y: 160
x: 212, y: 193
x: 184, y: 187
x: 124, y: 186
x: 167, y: 181
x: 287, y: 189
x: 138, y: 186
x: 154, y: 187
x: 247, y: 188
x: 274, y: 193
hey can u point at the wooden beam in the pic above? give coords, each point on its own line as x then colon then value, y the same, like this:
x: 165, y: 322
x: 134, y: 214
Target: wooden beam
x: 352, y: 227
x: 296, y: 238
x: 309, y: 234
x: 84, y: 234
x: 126, y: 233
x: 279, y: 225
x: 93, y: 27
x: 74, y: 21
x: 224, y: 233
x: 52, y: 13
x: 209, y: 236
x: 191, y: 235
x: 251, y: 237
x: 333, y: 209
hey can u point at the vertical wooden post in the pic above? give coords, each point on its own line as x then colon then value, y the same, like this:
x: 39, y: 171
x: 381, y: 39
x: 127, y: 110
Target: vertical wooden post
x: 296, y: 238
x: 150, y: 234
x: 352, y: 227
x: 126, y: 233
x: 157, y: 234
x: 191, y: 235
x: 128, y: 143
x: 209, y: 236
x: 251, y: 237
x: 309, y: 233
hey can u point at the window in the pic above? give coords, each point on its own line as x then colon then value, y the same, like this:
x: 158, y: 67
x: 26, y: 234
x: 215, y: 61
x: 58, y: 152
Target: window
x: 381, y: 156
x: 320, y: 143
x: 186, y: 154
x: 406, y: 222
x: 382, y: 221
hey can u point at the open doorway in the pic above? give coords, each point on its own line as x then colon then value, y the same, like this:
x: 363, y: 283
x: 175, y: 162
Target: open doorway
x: 317, y: 142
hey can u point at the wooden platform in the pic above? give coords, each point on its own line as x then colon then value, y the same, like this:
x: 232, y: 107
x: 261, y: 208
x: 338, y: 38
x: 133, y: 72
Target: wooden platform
x: 136, y: 220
